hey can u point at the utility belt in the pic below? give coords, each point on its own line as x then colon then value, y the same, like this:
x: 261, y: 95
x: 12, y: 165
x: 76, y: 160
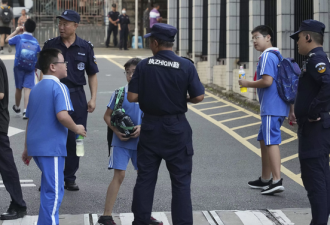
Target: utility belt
x: 75, y: 89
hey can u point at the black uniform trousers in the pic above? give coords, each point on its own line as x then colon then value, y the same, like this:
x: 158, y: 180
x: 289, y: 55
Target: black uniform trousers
x: 79, y: 116
x: 114, y: 29
x: 315, y: 175
x: 168, y: 138
x: 123, y: 37
x: 9, y: 172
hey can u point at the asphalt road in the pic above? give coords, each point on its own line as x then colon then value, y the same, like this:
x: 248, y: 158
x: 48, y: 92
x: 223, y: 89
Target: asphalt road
x: 222, y: 165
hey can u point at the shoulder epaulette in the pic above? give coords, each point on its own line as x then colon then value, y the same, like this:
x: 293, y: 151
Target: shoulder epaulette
x: 90, y: 43
x: 188, y: 59
x: 311, y: 55
x: 48, y: 40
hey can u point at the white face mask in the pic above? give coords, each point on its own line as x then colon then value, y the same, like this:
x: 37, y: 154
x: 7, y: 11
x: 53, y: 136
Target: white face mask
x: 123, y: 12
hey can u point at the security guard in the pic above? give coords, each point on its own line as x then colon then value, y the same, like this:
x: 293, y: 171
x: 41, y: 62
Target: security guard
x: 113, y: 26
x: 80, y: 57
x: 123, y: 28
x: 160, y: 85
x: 312, y: 111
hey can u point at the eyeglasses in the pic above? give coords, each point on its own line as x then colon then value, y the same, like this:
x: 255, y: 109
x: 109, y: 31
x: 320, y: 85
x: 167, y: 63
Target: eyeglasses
x: 256, y: 38
x: 66, y: 62
x: 63, y: 24
x: 128, y: 72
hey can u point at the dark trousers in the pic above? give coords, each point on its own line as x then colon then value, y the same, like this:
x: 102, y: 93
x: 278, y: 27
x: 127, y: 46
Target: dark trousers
x: 9, y: 172
x: 123, y: 38
x: 79, y: 116
x: 315, y: 175
x: 168, y: 139
x: 114, y: 29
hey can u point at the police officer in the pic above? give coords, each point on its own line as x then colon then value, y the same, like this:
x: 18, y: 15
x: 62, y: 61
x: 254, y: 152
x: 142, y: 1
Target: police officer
x: 80, y: 57
x: 160, y: 85
x: 123, y: 29
x: 312, y: 111
x: 113, y: 26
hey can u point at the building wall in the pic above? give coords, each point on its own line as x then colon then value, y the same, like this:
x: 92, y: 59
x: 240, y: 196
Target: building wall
x: 225, y: 73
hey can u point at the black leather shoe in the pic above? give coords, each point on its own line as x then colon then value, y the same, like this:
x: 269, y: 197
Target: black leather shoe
x: 13, y: 213
x: 71, y: 186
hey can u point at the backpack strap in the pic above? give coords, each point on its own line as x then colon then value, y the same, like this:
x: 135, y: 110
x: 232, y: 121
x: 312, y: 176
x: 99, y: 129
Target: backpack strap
x: 278, y: 54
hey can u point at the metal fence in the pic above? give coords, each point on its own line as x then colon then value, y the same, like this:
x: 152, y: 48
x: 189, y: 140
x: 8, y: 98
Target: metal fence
x: 223, y: 30
x: 205, y: 28
x: 303, y: 10
x: 190, y: 25
x: 92, y: 23
x: 271, y: 18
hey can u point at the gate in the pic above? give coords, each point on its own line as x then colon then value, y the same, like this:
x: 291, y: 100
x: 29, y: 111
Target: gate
x: 93, y: 17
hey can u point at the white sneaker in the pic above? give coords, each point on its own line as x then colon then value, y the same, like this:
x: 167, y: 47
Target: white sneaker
x: 24, y: 116
x: 9, y: 49
x: 2, y: 52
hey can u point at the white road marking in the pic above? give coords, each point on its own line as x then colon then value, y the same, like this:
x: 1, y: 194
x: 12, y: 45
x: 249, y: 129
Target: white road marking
x: 95, y: 219
x: 208, y: 218
x: 23, y: 183
x: 86, y: 219
x: 12, y: 131
x: 108, y: 75
x: 249, y: 217
x: 281, y: 217
x: 127, y: 218
x: 26, y: 220
x: 105, y: 92
x: 216, y: 218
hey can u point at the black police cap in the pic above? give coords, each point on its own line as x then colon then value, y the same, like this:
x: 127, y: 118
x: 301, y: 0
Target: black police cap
x: 70, y: 15
x: 162, y: 31
x: 310, y: 25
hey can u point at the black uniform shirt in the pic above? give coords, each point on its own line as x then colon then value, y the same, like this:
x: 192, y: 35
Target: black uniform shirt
x: 114, y: 16
x: 80, y: 57
x: 4, y: 113
x: 162, y: 83
x: 124, y: 21
x: 313, y: 97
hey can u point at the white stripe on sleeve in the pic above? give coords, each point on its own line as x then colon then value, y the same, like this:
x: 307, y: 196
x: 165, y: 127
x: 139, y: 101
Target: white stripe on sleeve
x: 264, y: 61
x: 67, y: 102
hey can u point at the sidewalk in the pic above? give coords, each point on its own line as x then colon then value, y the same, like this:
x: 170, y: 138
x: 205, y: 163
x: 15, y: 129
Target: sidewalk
x: 221, y: 217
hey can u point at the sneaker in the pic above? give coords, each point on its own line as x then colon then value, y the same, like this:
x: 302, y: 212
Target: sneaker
x: 106, y: 220
x: 24, y: 117
x: 153, y: 221
x: 16, y: 110
x: 9, y: 49
x: 258, y: 184
x: 273, y: 188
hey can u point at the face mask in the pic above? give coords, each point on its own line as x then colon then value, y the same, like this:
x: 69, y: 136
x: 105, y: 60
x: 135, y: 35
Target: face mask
x: 123, y: 12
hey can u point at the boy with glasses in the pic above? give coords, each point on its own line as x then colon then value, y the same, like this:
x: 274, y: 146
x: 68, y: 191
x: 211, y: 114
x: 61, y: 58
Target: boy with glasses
x: 47, y: 130
x: 273, y: 111
x: 123, y: 148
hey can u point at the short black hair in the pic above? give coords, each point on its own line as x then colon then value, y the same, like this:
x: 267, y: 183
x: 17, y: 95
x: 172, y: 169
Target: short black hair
x: 155, y: 5
x: 30, y: 25
x: 264, y: 30
x: 132, y: 62
x: 162, y: 43
x: 316, y: 37
x: 47, y: 57
x: 4, y: 1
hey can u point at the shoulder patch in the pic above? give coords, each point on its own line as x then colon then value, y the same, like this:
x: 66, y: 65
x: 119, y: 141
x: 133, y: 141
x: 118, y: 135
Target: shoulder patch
x: 321, y: 67
x: 164, y: 63
x: 188, y: 59
x: 88, y: 42
x: 311, y: 55
x: 48, y: 40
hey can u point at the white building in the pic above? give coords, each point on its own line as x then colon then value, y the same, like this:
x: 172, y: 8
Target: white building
x: 216, y: 33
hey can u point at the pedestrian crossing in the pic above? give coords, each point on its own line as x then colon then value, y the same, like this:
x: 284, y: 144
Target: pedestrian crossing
x: 215, y: 217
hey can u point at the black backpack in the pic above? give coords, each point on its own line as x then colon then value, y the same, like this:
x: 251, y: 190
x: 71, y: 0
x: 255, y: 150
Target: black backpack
x: 6, y: 14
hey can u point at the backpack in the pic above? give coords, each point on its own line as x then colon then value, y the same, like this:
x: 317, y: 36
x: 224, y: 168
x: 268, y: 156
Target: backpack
x: 6, y: 14
x: 287, y: 78
x: 28, y: 55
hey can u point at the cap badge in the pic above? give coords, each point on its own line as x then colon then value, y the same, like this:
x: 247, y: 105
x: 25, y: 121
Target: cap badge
x: 65, y: 12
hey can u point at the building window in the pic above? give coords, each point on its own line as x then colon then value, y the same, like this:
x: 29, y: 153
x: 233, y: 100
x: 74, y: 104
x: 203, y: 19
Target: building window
x: 190, y: 25
x: 271, y: 18
x: 303, y: 10
x: 205, y: 27
x: 244, y: 31
x: 223, y: 30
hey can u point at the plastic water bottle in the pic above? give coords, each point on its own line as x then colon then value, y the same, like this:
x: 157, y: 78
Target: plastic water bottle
x: 80, y: 151
x: 242, y: 76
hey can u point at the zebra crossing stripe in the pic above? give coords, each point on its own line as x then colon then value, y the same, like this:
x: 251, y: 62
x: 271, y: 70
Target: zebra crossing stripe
x: 249, y: 217
x: 216, y: 218
x: 208, y: 218
x: 281, y: 217
x: 22, y: 221
x: 86, y: 219
x: 127, y: 218
x: 94, y: 218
